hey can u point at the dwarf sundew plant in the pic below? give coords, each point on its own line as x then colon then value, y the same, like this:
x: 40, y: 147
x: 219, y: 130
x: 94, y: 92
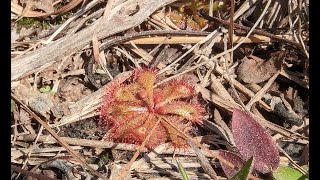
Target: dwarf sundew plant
x: 131, y: 109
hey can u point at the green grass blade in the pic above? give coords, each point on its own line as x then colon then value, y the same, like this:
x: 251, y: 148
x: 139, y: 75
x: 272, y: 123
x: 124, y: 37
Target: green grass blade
x: 182, y: 170
x: 244, y: 171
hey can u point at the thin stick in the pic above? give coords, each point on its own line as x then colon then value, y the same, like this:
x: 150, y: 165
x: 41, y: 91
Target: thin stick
x: 76, y: 15
x: 255, y: 31
x: 231, y: 26
x: 31, y: 149
x: 126, y: 169
x: 186, y: 53
x: 293, y: 163
x: 262, y: 91
x: 56, y: 136
x: 204, y: 161
x: 47, y: 139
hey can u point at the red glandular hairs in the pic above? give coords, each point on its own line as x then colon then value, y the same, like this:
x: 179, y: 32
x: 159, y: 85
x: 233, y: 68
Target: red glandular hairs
x: 130, y: 110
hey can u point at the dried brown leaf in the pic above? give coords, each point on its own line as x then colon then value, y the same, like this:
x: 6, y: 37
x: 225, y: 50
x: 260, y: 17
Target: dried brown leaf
x: 255, y: 70
x: 45, y: 5
x: 72, y: 89
x: 38, y: 102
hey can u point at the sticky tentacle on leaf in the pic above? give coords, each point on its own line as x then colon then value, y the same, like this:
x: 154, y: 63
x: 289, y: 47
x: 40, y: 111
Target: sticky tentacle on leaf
x: 191, y: 112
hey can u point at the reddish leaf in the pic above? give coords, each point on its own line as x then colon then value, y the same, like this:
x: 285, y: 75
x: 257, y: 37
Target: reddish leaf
x: 252, y: 140
x: 131, y: 109
x: 191, y: 112
x: 232, y: 158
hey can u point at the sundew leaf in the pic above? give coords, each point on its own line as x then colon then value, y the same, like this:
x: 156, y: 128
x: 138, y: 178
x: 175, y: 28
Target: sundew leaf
x: 232, y: 158
x: 252, y: 139
x: 288, y: 173
x: 244, y: 171
x: 191, y: 112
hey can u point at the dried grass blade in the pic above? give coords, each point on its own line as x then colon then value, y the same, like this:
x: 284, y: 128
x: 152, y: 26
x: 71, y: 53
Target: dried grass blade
x: 56, y: 136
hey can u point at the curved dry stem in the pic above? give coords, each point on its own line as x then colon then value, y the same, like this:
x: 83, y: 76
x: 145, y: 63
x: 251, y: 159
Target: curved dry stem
x: 126, y: 169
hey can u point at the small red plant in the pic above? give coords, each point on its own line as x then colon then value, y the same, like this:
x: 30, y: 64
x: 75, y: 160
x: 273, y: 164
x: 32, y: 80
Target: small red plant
x: 130, y: 110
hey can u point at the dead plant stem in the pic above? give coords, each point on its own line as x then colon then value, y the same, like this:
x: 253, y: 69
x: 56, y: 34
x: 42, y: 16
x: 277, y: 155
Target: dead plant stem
x: 126, y: 169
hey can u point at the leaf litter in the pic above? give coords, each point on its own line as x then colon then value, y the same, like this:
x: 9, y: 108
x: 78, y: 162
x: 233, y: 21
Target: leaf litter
x: 70, y: 104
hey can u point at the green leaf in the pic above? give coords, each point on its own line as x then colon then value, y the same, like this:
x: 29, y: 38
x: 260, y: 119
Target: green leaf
x: 45, y: 89
x: 288, y: 173
x: 182, y: 170
x: 244, y: 171
x: 13, y: 105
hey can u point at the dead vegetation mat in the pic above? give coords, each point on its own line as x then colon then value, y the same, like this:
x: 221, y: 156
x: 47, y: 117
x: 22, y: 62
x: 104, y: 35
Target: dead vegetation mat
x: 65, y: 53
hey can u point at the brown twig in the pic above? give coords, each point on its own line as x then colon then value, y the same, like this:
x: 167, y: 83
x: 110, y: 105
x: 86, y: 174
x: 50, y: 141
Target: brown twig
x: 247, y: 29
x: 56, y: 50
x: 121, y: 39
x: 231, y: 26
x: 203, y: 161
x: 56, y: 136
x: 126, y: 169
